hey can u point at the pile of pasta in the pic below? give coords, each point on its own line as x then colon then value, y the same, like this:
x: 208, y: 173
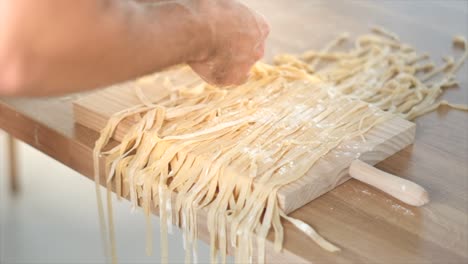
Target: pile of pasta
x: 227, y: 151
x: 382, y: 71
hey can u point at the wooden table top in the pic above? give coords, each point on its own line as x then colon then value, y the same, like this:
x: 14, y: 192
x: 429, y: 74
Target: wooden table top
x: 368, y: 225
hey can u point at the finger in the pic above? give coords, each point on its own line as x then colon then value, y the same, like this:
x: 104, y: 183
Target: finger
x: 236, y: 73
x: 220, y: 73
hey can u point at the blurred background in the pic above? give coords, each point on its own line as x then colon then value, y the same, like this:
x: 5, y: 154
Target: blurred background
x: 53, y: 218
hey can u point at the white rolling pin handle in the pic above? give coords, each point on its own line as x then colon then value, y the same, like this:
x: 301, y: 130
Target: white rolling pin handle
x: 403, y: 190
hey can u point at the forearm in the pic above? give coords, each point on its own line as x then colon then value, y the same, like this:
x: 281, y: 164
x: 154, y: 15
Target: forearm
x: 65, y: 46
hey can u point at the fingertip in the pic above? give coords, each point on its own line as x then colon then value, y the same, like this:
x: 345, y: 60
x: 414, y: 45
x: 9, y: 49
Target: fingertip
x: 242, y: 79
x: 232, y: 80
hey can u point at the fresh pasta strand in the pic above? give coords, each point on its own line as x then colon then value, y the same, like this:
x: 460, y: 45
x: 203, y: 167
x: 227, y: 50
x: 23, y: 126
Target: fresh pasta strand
x: 228, y: 152
x: 386, y: 74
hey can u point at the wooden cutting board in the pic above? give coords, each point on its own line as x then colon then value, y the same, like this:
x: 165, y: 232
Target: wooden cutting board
x: 382, y: 141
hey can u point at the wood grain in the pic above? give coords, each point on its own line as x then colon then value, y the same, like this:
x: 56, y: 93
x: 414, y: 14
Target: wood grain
x: 332, y: 170
x: 368, y: 225
x: 382, y: 141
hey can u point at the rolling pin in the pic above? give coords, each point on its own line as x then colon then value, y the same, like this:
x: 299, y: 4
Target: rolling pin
x: 403, y: 190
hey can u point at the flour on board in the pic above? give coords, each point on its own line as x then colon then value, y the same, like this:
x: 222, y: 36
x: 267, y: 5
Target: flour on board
x: 227, y: 152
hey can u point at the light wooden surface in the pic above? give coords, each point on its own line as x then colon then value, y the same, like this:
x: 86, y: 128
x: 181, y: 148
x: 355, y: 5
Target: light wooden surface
x: 406, y: 191
x: 368, y: 225
x: 95, y: 109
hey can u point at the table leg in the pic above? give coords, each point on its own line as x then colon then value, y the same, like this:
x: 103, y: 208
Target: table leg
x: 13, y: 165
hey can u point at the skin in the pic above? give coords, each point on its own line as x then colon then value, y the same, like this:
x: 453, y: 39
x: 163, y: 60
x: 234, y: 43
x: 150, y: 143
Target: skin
x: 53, y: 47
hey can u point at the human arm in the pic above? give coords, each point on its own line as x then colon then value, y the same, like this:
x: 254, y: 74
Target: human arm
x: 52, y: 47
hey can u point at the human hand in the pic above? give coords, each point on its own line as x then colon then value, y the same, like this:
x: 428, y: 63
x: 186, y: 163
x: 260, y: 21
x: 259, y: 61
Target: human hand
x: 236, y: 41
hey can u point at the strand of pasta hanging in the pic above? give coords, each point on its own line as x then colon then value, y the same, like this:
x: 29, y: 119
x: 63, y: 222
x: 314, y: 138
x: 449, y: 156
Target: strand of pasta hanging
x: 228, y: 152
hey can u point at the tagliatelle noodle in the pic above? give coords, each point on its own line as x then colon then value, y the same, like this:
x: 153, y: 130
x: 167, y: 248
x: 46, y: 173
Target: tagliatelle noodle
x: 228, y: 152
x: 384, y: 72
